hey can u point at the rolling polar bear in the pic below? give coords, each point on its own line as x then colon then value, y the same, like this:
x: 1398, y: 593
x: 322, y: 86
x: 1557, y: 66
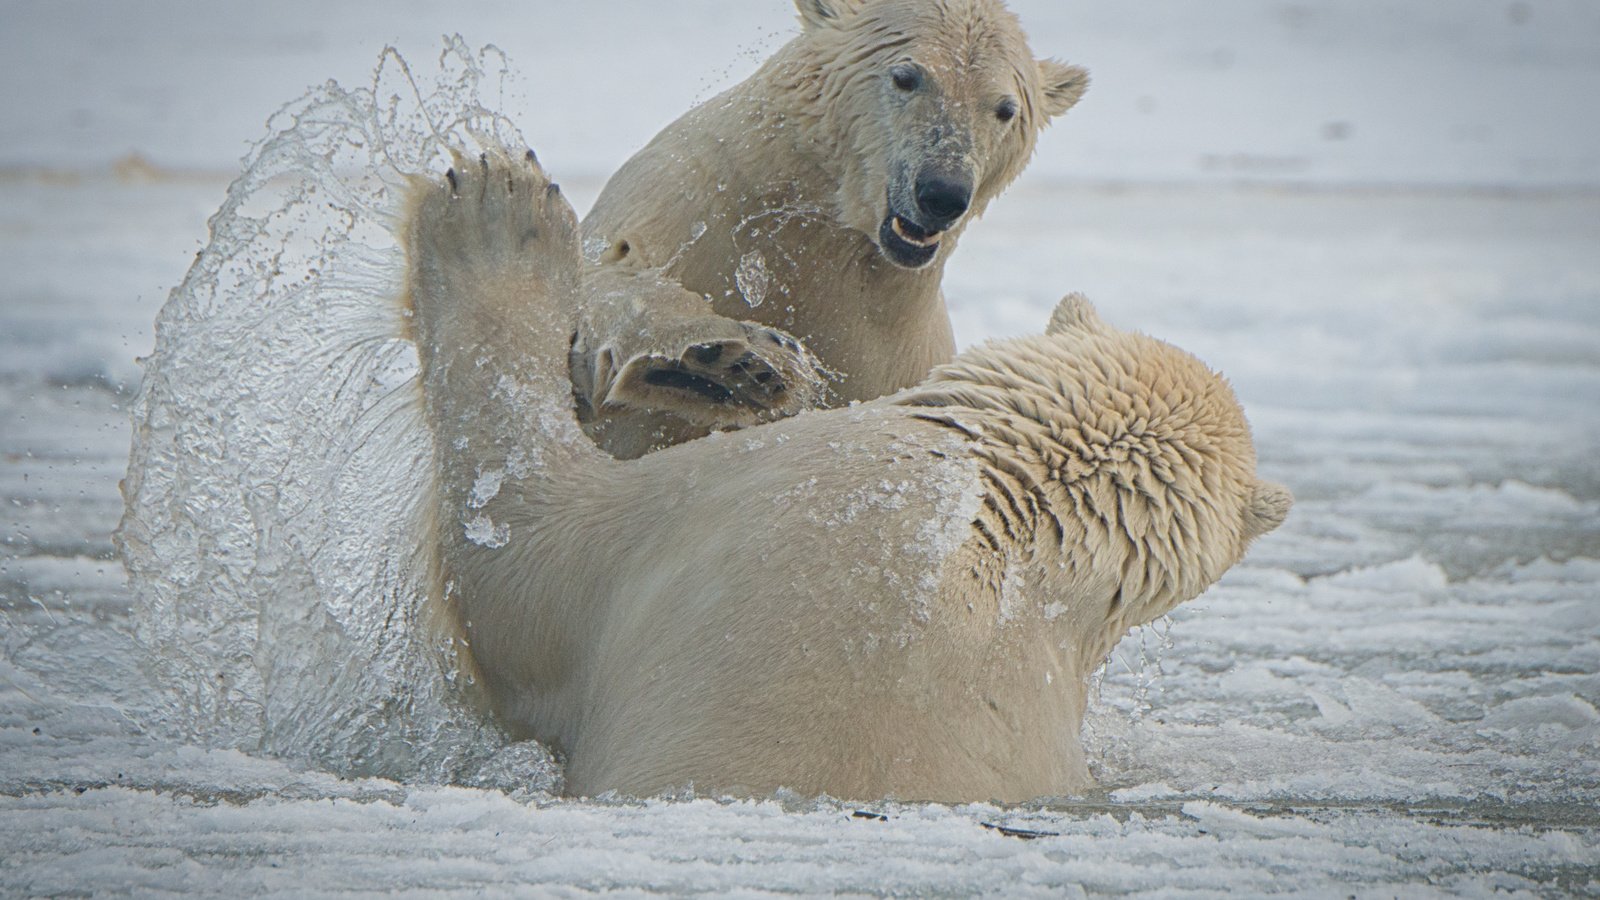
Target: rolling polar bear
x: 819, y: 199
x: 903, y: 598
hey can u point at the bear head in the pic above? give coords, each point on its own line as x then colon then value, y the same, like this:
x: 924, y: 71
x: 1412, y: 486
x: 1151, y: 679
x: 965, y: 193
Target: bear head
x: 1119, y: 470
x: 933, y: 106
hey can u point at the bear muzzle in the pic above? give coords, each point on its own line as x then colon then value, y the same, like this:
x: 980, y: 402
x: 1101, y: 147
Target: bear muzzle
x: 941, y: 197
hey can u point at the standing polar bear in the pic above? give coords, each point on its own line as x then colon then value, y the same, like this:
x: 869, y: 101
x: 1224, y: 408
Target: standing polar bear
x: 819, y: 199
x: 904, y: 598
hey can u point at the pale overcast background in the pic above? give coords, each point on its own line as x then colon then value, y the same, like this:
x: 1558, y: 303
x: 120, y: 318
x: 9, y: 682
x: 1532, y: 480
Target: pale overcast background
x: 1481, y: 92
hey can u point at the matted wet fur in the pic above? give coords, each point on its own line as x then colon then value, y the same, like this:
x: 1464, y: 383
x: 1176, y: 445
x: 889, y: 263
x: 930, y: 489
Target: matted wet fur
x: 904, y: 598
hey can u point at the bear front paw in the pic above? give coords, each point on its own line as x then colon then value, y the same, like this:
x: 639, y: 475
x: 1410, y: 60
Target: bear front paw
x: 750, y: 374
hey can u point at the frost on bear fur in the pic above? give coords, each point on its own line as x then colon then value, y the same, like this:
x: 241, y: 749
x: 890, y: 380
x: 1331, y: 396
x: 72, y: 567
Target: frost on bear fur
x: 821, y: 197
x: 902, y: 598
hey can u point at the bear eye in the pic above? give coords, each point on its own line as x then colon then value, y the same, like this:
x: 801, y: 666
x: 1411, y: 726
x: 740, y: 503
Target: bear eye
x: 1006, y: 110
x: 906, y: 78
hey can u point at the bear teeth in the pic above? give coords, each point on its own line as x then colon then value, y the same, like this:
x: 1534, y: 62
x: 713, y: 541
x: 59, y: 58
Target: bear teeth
x: 931, y: 240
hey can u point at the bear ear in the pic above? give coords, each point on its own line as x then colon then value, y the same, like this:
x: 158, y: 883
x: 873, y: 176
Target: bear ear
x: 1063, y: 85
x: 1074, y: 313
x: 822, y: 13
x: 1268, y: 507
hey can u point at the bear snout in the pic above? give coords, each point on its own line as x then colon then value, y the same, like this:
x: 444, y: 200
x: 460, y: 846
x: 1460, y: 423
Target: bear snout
x: 943, y: 197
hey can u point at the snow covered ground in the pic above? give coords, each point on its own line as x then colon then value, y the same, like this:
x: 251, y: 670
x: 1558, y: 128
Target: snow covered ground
x: 1380, y: 221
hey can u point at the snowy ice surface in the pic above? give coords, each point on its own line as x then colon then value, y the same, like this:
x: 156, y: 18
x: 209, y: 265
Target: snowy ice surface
x: 1396, y: 694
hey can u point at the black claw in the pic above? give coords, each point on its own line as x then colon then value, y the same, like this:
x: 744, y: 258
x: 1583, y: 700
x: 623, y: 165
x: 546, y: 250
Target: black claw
x: 533, y: 157
x: 707, y: 354
x: 554, y: 189
x: 483, y: 162
x: 450, y: 176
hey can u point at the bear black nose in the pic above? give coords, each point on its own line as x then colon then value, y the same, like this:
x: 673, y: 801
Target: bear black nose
x: 943, y: 198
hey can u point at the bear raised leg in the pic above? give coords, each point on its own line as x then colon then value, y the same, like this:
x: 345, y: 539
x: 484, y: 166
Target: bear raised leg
x: 493, y: 278
x: 652, y: 366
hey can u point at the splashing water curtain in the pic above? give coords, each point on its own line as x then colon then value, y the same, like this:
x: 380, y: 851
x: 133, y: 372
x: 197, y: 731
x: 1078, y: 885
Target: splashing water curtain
x: 276, y: 484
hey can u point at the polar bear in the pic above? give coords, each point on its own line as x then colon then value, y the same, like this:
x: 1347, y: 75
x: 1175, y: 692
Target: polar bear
x: 819, y: 199
x: 903, y: 598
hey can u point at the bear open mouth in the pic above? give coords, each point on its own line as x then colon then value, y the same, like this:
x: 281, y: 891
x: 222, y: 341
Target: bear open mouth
x: 906, y: 243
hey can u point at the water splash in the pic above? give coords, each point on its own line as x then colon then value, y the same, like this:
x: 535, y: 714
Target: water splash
x: 752, y: 279
x: 276, y: 497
